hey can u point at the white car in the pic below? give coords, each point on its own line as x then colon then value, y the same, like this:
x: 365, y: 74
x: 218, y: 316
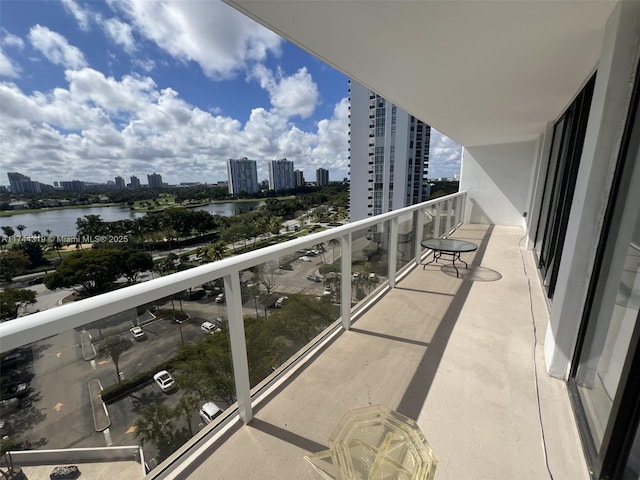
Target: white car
x: 281, y: 302
x: 165, y: 381
x: 327, y: 290
x: 209, y: 411
x: 305, y: 259
x: 208, y: 327
x: 220, y: 298
x: 137, y: 333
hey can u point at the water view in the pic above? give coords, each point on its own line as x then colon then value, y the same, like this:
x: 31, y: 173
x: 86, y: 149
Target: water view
x: 63, y: 222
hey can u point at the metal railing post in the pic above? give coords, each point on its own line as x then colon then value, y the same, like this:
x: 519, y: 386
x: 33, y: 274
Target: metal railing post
x: 345, y: 280
x: 447, y: 224
x: 436, y: 226
x: 419, y: 229
x: 392, y: 254
x: 238, y: 346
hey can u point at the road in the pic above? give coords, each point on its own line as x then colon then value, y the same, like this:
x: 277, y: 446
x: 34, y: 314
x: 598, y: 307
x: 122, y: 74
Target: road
x: 59, y: 414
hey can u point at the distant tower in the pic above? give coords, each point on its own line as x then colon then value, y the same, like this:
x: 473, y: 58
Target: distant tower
x: 135, y: 183
x: 243, y: 175
x: 120, y: 184
x: 388, y: 153
x: 322, y: 177
x: 299, y: 178
x: 154, y: 180
x: 22, y: 184
x: 281, y: 175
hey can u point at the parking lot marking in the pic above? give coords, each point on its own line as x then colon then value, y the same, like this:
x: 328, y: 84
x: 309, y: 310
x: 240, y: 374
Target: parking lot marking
x: 103, y: 362
x: 59, y: 354
x: 107, y: 437
x: 93, y: 364
x: 131, y: 429
x: 58, y: 406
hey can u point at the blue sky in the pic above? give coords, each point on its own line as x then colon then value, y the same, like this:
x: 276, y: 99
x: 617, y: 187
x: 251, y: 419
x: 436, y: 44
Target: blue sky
x: 91, y: 90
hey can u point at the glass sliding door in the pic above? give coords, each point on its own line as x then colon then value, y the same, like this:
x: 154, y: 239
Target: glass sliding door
x: 605, y: 378
x: 564, y: 162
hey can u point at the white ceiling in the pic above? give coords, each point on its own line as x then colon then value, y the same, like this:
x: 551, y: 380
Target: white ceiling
x: 482, y: 72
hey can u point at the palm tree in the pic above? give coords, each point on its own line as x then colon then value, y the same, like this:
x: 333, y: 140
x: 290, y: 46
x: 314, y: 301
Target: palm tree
x: 20, y: 228
x: 114, y: 346
x: 333, y: 243
x: 36, y: 233
x: 154, y: 427
x: 8, y: 231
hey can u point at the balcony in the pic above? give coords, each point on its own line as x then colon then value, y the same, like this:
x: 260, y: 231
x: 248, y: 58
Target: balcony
x: 456, y: 354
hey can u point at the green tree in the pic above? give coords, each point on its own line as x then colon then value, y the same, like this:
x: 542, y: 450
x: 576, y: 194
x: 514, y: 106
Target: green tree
x: 12, y: 263
x: 156, y: 426
x: 91, y: 225
x: 33, y: 251
x: 114, y: 346
x: 8, y: 231
x: 303, y: 318
x: 11, y: 299
x: 94, y: 270
x: 133, y: 263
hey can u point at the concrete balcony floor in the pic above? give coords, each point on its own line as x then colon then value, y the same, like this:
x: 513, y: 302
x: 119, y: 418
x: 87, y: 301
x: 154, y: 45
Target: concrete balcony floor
x: 456, y: 354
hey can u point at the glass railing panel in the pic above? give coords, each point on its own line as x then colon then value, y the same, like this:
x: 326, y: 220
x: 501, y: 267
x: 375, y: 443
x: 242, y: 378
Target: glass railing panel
x: 369, y: 260
x: 441, y: 209
x: 406, y: 239
x: 429, y: 227
x: 99, y: 385
x: 286, y: 303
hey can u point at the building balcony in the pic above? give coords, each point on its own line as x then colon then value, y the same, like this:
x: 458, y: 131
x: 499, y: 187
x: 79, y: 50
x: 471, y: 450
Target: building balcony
x: 460, y: 354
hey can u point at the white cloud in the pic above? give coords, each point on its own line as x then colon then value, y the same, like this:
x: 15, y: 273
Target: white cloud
x: 81, y: 14
x: 98, y: 126
x: 56, y: 48
x: 7, y: 67
x: 293, y: 95
x: 120, y: 33
x: 220, y: 39
x: 445, y: 156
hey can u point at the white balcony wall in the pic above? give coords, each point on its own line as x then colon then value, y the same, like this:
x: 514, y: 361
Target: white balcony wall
x: 616, y: 72
x: 496, y: 177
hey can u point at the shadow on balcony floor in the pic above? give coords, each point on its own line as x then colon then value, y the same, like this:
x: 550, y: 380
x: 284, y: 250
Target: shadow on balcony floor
x: 456, y: 354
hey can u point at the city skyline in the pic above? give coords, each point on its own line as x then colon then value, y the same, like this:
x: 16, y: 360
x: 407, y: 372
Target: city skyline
x: 94, y: 90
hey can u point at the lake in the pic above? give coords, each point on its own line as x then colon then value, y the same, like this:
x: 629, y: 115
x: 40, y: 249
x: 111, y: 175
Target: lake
x: 63, y: 222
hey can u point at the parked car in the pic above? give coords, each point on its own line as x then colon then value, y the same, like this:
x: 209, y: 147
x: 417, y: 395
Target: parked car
x: 209, y: 327
x: 286, y: 266
x: 137, y: 333
x: 373, y: 277
x: 314, y: 278
x: 305, y: 258
x: 209, y: 411
x: 220, y: 298
x: 281, y: 302
x: 14, y: 390
x: 327, y: 290
x: 164, y: 380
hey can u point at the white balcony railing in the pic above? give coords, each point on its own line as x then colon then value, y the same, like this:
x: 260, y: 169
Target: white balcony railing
x: 397, y: 234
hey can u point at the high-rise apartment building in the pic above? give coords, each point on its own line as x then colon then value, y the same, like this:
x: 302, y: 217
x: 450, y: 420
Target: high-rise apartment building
x: 281, y: 175
x: 22, y: 184
x: 322, y: 177
x: 120, y: 183
x: 154, y: 180
x: 389, y: 155
x: 73, y: 186
x: 298, y: 178
x: 243, y: 175
x: 135, y: 183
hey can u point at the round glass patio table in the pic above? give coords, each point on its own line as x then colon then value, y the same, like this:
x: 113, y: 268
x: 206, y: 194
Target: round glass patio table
x: 451, y: 248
